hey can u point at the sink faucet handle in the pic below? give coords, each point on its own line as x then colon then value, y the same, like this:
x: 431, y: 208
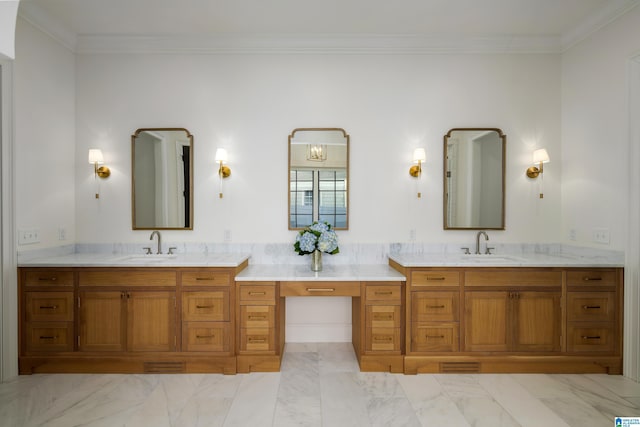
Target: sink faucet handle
x: 466, y: 251
x: 171, y: 249
x: 488, y: 250
x: 147, y: 250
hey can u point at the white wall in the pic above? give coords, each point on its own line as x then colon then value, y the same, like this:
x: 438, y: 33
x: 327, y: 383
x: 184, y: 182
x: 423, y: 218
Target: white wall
x: 599, y: 164
x: 8, y: 13
x: 45, y: 136
x: 389, y: 105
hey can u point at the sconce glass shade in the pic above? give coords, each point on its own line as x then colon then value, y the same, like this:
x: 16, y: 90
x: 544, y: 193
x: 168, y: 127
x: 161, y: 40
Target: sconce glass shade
x: 95, y: 156
x: 419, y: 155
x: 540, y: 155
x: 221, y: 155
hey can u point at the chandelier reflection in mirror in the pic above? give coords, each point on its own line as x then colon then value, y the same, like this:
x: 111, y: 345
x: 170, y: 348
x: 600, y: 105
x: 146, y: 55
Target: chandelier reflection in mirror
x: 316, y: 152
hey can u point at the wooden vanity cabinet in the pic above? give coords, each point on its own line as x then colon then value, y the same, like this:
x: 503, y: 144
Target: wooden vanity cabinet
x: 132, y: 320
x: 513, y: 319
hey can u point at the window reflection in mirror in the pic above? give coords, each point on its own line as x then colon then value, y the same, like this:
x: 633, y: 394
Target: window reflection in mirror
x: 162, y: 179
x: 318, y: 177
x: 474, y: 170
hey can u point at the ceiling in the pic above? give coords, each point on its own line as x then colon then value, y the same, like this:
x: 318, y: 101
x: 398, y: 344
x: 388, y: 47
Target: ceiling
x: 547, y: 24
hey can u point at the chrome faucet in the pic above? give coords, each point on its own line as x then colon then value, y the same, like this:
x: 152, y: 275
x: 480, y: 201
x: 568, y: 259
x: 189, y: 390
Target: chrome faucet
x: 478, y: 241
x: 157, y: 233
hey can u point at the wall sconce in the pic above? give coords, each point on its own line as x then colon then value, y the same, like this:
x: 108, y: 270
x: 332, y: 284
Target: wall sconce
x: 96, y: 158
x: 419, y: 156
x: 540, y: 157
x: 223, y: 171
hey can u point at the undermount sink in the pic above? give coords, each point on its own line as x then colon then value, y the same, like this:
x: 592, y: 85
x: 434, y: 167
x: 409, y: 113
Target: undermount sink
x: 149, y: 258
x: 490, y: 258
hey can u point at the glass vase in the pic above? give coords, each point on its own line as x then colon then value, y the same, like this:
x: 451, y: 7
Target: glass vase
x: 316, y: 260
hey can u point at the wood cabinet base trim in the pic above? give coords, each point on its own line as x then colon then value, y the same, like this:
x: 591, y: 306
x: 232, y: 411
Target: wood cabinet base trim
x: 128, y: 364
x: 513, y: 364
x: 258, y: 363
x: 393, y: 364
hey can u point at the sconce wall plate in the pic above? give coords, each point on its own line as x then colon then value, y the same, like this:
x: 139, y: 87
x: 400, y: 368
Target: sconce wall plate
x: 415, y: 171
x: 224, y: 171
x: 103, y: 172
x: 534, y: 171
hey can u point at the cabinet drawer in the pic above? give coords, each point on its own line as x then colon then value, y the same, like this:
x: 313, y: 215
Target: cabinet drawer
x: 590, y: 338
x: 51, y: 336
x: 128, y: 278
x: 518, y: 277
x: 435, y: 278
x: 383, y: 339
x: 205, y: 336
x: 388, y: 293
x: 383, y: 316
x: 591, y: 277
x: 205, y: 277
x: 321, y: 289
x: 48, y: 278
x: 257, y: 316
x: 257, y: 339
x: 257, y: 294
x: 441, y: 337
x: 205, y: 306
x: 590, y: 306
x: 434, y: 306
x: 49, y: 306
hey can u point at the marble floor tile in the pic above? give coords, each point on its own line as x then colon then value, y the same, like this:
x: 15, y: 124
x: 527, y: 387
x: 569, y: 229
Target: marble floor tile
x: 319, y: 385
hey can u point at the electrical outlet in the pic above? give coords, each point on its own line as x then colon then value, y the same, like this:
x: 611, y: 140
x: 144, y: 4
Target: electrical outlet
x: 28, y: 237
x: 412, y: 235
x: 572, y: 234
x: 601, y: 235
x: 62, y: 233
x: 227, y: 236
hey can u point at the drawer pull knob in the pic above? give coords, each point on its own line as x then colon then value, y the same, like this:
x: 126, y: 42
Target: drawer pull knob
x: 204, y: 306
x: 205, y: 336
x: 386, y: 339
x: 257, y: 293
x: 257, y: 340
x: 321, y: 289
x: 592, y: 279
x: 594, y: 337
x: 384, y: 293
x: 381, y: 316
x: 47, y: 279
x: 588, y: 307
x: 47, y: 337
x: 440, y: 337
x: 435, y: 306
x: 435, y: 278
x: 48, y: 307
x: 257, y: 317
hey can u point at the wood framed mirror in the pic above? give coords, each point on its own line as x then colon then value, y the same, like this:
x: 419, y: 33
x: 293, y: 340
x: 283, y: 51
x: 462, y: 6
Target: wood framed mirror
x: 318, y: 177
x: 474, y: 179
x: 162, y: 179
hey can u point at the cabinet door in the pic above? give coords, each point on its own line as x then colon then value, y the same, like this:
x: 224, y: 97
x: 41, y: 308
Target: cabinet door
x: 151, y: 321
x: 487, y: 315
x: 102, y: 321
x: 536, y: 321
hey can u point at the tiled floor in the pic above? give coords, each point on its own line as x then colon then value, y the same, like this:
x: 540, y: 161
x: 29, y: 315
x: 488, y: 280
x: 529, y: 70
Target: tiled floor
x: 320, y: 385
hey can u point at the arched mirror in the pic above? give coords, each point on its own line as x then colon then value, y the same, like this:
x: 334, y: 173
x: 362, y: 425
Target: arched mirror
x: 318, y: 177
x: 474, y: 170
x: 162, y: 179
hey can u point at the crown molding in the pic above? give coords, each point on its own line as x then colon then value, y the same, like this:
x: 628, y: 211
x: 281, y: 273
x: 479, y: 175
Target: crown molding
x: 320, y: 43
x: 40, y: 20
x: 313, y: 44
x: 594, y: 22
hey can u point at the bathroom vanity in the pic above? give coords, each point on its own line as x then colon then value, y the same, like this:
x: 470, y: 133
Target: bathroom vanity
x: 420, y: 313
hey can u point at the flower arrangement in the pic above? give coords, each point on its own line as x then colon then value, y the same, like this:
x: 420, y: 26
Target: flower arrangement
x: 317, y: 236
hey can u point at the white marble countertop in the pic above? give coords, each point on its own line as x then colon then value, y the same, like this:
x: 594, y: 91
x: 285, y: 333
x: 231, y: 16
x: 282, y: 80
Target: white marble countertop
x: 138, y: 260
x: 329, y: 273
x: 508, y: 260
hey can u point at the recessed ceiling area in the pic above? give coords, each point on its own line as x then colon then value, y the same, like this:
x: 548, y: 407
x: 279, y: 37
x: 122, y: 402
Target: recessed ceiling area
x: 557, y: 22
